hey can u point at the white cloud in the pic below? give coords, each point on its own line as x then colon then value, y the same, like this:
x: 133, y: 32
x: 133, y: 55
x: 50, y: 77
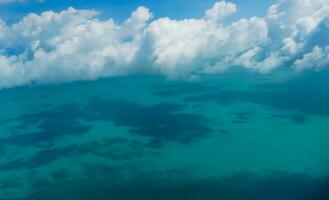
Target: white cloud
x: 317, y: 59
x: 219, y: 11
x: 75, y: 44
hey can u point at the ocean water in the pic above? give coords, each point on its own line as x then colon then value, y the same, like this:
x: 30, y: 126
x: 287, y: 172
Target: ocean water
x: 231, y: 137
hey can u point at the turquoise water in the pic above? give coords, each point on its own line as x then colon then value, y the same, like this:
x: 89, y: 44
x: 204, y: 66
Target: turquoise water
x: 230, y: 137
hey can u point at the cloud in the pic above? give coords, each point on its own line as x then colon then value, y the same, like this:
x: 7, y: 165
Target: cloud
x: 316, y: 59
x: 77, y: 45
x: 219, y: 11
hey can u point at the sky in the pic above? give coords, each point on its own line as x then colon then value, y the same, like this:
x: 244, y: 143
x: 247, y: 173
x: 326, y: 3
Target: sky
x: 43, y: 41
x: 13, y: 10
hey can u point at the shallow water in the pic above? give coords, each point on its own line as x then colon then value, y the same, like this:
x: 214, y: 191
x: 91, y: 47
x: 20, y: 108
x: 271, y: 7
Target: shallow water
x: 145, y: 137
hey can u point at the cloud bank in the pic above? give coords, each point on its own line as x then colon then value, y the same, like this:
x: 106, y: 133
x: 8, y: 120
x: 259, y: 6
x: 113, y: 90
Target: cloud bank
x: 77, y: 45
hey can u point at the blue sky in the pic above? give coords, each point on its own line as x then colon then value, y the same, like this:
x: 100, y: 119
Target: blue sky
x: 121, y: 9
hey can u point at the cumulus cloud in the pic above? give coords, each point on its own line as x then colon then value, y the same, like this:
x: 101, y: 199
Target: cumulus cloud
x: 76, y: 45
x: 316, y: 59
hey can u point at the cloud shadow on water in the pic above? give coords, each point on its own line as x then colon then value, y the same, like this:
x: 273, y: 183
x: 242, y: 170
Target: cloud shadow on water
x: 306, y: 94
x: 154, y: 186
x: 177, y: 89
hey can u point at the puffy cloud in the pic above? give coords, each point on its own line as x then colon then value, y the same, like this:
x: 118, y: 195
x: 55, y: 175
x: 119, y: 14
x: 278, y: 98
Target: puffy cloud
x: 75, y: 44
x: 219, y: 11
x: 316, y: 59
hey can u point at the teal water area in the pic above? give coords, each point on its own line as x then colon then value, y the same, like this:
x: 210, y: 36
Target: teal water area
x: 230, y: 137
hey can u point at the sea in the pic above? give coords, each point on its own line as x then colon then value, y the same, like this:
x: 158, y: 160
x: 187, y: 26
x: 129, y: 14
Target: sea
x: 233, y: 136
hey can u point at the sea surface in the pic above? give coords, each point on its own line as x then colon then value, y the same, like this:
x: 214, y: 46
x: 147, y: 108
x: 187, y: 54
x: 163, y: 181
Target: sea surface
x: 229, y: 137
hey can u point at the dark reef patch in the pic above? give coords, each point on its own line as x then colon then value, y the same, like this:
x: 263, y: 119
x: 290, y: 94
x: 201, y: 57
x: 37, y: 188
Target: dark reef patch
x: 9, y: 183
x: 242, y: 117
x: 114, y: 149
x: 160, y: 121
x: 158, y: 124
x: 51, y: 124
x: 2, y: 150
x: 295, y: 118
x: 60, y: 175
